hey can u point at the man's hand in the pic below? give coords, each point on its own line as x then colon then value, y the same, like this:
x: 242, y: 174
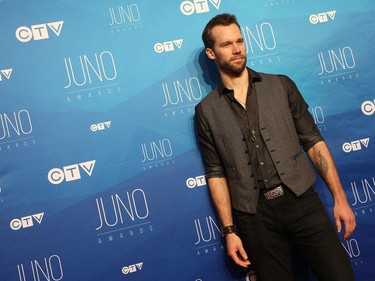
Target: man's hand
x: 342, y: 212
x: 236, y: 251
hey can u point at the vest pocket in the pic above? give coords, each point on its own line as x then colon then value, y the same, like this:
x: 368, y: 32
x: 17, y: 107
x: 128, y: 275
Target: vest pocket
x: 297, y: 154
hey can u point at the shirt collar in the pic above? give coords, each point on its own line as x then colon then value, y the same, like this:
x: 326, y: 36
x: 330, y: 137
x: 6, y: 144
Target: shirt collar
x: 253, y: 77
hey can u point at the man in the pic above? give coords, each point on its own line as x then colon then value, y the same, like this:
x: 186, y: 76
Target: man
x: 251, y: 129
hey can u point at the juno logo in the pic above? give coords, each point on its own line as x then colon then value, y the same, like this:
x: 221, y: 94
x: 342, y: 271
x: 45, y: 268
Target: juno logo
x: 71, y: 172
x: 39, y: 31
x: 49, y: 268
x: 6, y: 73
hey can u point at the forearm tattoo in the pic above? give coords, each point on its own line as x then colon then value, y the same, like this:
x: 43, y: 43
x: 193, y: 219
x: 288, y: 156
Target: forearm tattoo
x: 322, y: 165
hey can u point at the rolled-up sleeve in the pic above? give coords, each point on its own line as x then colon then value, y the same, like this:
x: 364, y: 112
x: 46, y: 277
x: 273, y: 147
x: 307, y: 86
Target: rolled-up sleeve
x: 304, y: 123
x: 210, y: 155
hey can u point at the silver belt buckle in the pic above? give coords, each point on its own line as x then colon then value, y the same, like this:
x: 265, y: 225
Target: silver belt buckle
x: 274, y: 193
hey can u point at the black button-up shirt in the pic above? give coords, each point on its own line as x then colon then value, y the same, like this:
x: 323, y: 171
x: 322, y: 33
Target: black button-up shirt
x: 261, y: 165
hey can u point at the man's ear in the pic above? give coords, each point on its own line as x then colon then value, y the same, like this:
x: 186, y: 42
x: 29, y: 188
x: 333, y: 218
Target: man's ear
x: 210, y: 53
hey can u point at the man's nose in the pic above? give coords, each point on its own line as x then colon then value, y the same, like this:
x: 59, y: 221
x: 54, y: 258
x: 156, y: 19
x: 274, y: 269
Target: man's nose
x: 236, y: 48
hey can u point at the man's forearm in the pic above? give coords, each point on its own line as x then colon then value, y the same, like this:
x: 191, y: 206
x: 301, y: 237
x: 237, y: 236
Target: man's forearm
x: 323, y: 162
x: 221, y: 198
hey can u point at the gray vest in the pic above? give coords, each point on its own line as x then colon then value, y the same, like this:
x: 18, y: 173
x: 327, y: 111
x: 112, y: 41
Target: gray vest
x: 278, y: 132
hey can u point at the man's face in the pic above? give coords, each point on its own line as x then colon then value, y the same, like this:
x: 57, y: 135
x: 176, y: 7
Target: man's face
x: 229, y: 51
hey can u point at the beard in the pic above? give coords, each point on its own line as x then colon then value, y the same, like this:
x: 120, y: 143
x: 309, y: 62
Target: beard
x: 233, y: 66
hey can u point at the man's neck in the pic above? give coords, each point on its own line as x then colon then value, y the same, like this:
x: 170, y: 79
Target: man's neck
x: 239, y: 84
x: 235, y: 82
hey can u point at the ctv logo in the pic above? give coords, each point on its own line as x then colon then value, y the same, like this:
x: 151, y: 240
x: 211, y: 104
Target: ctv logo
x: 100, y: 126
x: 39, y: 31
x: 132, y: 268
x: 198, y: 6
x: 71, y: 172
x: 6, y: 73
x: 27, y: 221
x: 197, y: 181
x: 322, y: 17
x: 168, y: 46
x: 368, y: 107
x: 355, y: 145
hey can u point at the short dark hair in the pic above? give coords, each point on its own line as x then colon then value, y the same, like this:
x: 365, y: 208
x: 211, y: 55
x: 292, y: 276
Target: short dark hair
x: 222, y: 19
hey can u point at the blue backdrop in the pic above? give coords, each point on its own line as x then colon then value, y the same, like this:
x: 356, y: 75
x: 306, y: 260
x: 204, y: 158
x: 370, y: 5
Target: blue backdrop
x: 100, y: 174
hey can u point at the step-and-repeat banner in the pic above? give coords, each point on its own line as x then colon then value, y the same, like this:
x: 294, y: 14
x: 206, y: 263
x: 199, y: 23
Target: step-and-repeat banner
x: 100, y: 173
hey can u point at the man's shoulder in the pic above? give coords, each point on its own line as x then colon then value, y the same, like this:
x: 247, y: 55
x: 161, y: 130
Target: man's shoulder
x: 265, y: 75
x: 272, y: 80
x: 210, y: 98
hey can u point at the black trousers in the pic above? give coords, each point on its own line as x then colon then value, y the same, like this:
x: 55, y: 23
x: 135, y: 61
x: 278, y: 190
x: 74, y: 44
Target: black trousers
x: 303, y: 221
